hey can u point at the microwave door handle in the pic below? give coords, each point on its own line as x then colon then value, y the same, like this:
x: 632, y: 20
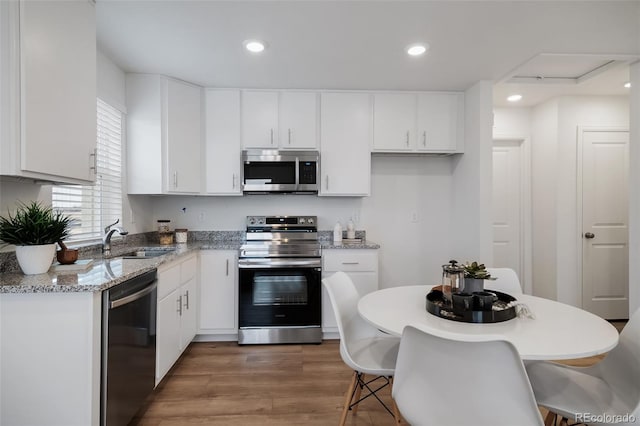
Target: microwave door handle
x: 297, y: 173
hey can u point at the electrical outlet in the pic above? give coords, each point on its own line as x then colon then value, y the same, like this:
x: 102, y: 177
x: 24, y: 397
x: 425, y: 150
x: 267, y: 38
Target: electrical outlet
x: 201, y: 217
x: 414, y: 216
x: 131, y: 217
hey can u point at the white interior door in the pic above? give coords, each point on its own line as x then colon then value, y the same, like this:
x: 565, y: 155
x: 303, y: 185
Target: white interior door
x: 507, y: 206
x: 605, y: 249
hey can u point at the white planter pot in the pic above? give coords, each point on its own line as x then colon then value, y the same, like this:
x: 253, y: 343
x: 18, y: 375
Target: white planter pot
x: 35, y: 259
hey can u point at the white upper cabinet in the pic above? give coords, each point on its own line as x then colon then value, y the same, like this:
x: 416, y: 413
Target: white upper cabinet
x: 222, y: 142
x: 418, y: 122
x: 346, y: 133
x: 394, y: 125
x: 279, y: 119
x: 298, y: 120
x: 48, y: 84
x: 441, y: 122
x: 164, y: 135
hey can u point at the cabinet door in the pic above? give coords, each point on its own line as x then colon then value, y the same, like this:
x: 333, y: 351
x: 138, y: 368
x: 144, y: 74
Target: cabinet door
x: 188, y: 320
x: 168, y: 333
x: 218, y: 291
x: 183, y: 111
x: 440, y: 121
x: 259, y: 119
x: 58, y: 88
x: 345, y: 145
x: 394, y: 122
x: 222, y: 146
x: 298, y: 120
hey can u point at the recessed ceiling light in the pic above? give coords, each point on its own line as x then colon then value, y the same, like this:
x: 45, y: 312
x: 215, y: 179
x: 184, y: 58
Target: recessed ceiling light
x: 417, y: 49
x: 514, y: 98
x: 627, y: 84
x: 254, y: 46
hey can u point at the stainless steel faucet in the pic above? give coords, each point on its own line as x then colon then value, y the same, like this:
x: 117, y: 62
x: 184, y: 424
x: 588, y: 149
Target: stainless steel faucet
x: 108, y: 232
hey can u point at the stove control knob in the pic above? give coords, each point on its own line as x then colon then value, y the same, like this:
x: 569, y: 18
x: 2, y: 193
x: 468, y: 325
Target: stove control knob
x: 301, y: 221
x: 252, y: 221
x: 310, y: 221
x: 261, y: 221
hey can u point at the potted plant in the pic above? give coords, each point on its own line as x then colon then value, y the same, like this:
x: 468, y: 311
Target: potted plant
x: 474, y: 275
x: 34, y: 229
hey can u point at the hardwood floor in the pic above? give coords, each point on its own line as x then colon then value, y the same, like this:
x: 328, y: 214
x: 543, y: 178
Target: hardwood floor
x: 225, y: 384
x: 221, y: 383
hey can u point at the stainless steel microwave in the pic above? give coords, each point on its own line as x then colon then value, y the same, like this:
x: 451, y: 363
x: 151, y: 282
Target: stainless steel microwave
x: 266, y: 171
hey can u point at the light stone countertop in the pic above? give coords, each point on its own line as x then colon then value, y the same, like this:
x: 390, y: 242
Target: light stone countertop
x: 106, y: 273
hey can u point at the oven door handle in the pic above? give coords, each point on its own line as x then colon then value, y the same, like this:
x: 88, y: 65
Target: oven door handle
x: 274, y: 263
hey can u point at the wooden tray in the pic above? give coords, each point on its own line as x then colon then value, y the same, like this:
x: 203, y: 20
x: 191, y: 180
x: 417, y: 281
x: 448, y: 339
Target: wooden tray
x: 437, y: 305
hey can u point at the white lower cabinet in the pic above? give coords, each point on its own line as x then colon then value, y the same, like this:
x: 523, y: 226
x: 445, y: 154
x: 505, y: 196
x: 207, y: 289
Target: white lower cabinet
x: 362, y: 267
x: 176, y: 316
x: 218, y: 292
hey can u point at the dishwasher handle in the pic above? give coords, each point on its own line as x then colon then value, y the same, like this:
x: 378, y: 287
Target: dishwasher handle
x: 133, y: 297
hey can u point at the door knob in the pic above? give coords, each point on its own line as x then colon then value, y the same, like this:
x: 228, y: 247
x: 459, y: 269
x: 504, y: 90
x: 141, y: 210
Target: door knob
x: 589, y: 235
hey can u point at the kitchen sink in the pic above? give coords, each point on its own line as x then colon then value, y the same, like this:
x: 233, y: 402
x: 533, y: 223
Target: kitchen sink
x: 146, y: 253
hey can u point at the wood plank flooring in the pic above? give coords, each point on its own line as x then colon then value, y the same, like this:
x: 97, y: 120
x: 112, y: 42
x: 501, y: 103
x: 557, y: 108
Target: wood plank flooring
x: 221, y: 383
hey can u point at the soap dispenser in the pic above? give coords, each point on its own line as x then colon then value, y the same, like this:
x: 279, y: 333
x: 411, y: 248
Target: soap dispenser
x: 337, y: 233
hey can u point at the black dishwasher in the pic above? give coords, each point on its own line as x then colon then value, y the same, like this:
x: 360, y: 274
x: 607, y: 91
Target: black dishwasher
x: 128, y: 348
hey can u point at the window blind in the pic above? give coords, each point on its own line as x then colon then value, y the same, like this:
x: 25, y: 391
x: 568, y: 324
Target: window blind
x: 95, y: 206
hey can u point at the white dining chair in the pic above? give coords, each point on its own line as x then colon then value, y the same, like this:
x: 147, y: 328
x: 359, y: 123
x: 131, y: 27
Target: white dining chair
x: 610, y: 388
x: 506, y: 281
x: 444, y: 382
x: 362, y: 347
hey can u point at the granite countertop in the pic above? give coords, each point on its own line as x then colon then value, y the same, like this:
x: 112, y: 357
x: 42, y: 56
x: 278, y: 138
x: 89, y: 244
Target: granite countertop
x: 108, y: 272
x: 364, y: 244
x: 103, y: 274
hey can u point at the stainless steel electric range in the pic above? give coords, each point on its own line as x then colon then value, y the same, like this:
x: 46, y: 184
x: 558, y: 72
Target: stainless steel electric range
x: 280, y: 281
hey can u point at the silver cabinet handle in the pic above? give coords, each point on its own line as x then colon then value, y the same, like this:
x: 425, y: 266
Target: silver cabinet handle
x: 233, y: 181
x: 227, y: 267
x: 326, y: 186
x: 179, y: 300
x: 94, y: 167
x: 407, y: 138
x: 186, y: 297
x: 289, y: 136
x: 424, y: 138
x: 272, y: 136
x: 350, y: 263
x: 175, y: 179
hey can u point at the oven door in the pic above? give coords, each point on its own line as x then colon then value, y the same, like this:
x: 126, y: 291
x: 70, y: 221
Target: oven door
x: 279, y: 295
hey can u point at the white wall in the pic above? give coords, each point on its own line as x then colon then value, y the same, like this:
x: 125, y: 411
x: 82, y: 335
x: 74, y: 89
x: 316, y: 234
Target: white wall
x: 513, y: 123
x: 471, y: 231
x: 634, y: 194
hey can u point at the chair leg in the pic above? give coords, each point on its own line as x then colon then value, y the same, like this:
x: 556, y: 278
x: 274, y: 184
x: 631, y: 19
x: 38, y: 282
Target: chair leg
x: 348, y: 398
x: 550, y: 420
x: 394, y: 407
x: 361, y: 378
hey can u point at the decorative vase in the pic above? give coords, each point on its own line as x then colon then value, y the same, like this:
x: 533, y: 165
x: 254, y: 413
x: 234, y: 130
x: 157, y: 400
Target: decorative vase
x: 35, y: 259
x: 471, y: 285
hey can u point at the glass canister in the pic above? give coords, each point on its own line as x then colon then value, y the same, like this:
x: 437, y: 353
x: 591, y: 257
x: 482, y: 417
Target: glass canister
x: 452, y: 279
x: 164, y: 225
x: 181, y: 236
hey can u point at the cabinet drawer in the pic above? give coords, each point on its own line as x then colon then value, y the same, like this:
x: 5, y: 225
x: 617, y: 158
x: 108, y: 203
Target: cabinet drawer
x: 350, y: 260
x: 168, y: 280
x: 188, y: 270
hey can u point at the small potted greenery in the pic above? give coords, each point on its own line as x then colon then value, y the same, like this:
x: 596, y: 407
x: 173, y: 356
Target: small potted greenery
x: 34, y: 229
x: 474, y: 275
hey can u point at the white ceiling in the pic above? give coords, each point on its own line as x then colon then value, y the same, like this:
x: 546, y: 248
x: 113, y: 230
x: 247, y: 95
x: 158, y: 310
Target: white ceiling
x: 360, y: 44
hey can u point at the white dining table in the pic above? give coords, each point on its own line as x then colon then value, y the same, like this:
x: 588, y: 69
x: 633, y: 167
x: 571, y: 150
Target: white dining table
x: 557, y: 331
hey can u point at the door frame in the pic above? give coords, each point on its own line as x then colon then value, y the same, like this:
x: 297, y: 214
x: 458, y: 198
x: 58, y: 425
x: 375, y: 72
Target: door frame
x: 526, y: 232
x: 579, y: 176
